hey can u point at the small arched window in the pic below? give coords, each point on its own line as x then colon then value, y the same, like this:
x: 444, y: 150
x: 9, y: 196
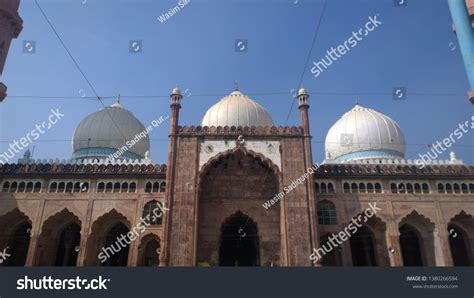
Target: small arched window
x: 21, y: 187
x: 14, y: 187
x: 133, y: 187
x: 378, y: 188
x: 37, y: 187
x: 417, y: 188
x: 116, y: 187
x: 441, y: 188
x: 464, y: 188
x: 69, y: 187
x: 29, y: 187
x: 163, y: 186
x: 156, y: 187
x: 362, y: 187
x: 53, y: 187
x: 449, y: 188
x: 327, y: 213
x: 347, y: 188
x: 6, y: 186
x: 471, y: 187
x: 354, y: 187
x: 101, y: 187
x: 61, y: 186
x: 426, y: 188
x: 153, y: 213
x: 317, y: 189
x: 124, y: 187
x: 77, y: 187
x: 331, y: 188
x: 108, y: 187
x: 457, y: 189
x: 148, y: 187
x: 409, y: 188
x: 323, y: 188
x: 393, y: 188
x: 370, y: 187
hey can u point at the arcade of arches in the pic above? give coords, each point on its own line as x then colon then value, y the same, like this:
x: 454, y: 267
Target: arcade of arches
x: 235, y: 238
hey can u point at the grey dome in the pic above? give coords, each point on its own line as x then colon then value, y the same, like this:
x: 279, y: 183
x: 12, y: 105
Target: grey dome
x: 363, y: 133
x: 237, y: 109
x: 106, y: 131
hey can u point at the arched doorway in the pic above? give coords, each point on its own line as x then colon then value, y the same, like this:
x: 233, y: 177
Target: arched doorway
x: 58, y: 243
x: 410, y: 246
x: 239, y: 242
x: 68, y: 246
x: 458, y: 246
x: 461, y: 239
x: 149, y: 251
x: 417, y: 240
x: 120, y: 255
x: 15, y: 237
x: 363, y: 248
x: 238, y: 180
x: 18, y: 247
x: 103, y: 247
x: 334, y: 256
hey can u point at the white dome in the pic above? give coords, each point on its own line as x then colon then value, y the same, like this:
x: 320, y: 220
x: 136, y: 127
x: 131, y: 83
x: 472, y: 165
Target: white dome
x: 363, y: 133
x: 237, y: 109
x: 106, y: 131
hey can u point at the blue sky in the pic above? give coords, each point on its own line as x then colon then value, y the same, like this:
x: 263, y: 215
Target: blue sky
x: 195, y: 48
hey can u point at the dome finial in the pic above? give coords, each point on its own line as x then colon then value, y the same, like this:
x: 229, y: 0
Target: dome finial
x: 117, y: 103
x: 236, y: 86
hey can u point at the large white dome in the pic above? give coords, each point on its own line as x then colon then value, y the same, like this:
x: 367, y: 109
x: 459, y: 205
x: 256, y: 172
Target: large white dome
x: 363, y: 133
x: 237, y: 109
x: 106, y: 131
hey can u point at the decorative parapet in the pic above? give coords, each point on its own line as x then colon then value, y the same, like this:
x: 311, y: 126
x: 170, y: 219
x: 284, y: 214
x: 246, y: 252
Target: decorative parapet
x: 236, y: 131
x: 91, y: 168
x: 393, y: 170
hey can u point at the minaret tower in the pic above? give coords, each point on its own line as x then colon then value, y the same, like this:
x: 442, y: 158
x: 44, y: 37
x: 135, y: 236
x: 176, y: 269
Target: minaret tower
x: 170, y: 173
x: 10, y: 27
x: 303, y: 106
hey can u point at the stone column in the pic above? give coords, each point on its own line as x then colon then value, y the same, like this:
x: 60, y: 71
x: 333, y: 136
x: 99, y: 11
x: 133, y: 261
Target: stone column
x: 85, y: 233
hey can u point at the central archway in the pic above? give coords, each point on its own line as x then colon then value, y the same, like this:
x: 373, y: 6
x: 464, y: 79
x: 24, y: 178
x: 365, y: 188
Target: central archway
x: 239, y: 242
x: 232, y: 188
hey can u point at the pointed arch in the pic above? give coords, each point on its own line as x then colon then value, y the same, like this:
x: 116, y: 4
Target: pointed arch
x: 15, y: 237
x: 239, y: 241
x: 461, y: 239
x: 149, y: 250
x: 58, y: 240
x: 111, y: 222
x: 417, y: 240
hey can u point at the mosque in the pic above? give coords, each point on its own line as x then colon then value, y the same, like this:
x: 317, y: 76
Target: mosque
x: 212, y: 190
x: 218, y: 175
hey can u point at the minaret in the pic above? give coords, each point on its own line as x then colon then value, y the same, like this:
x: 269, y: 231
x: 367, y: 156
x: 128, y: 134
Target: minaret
x: 303, y: 106
x: 10, y: 27
x: 170, y: 173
